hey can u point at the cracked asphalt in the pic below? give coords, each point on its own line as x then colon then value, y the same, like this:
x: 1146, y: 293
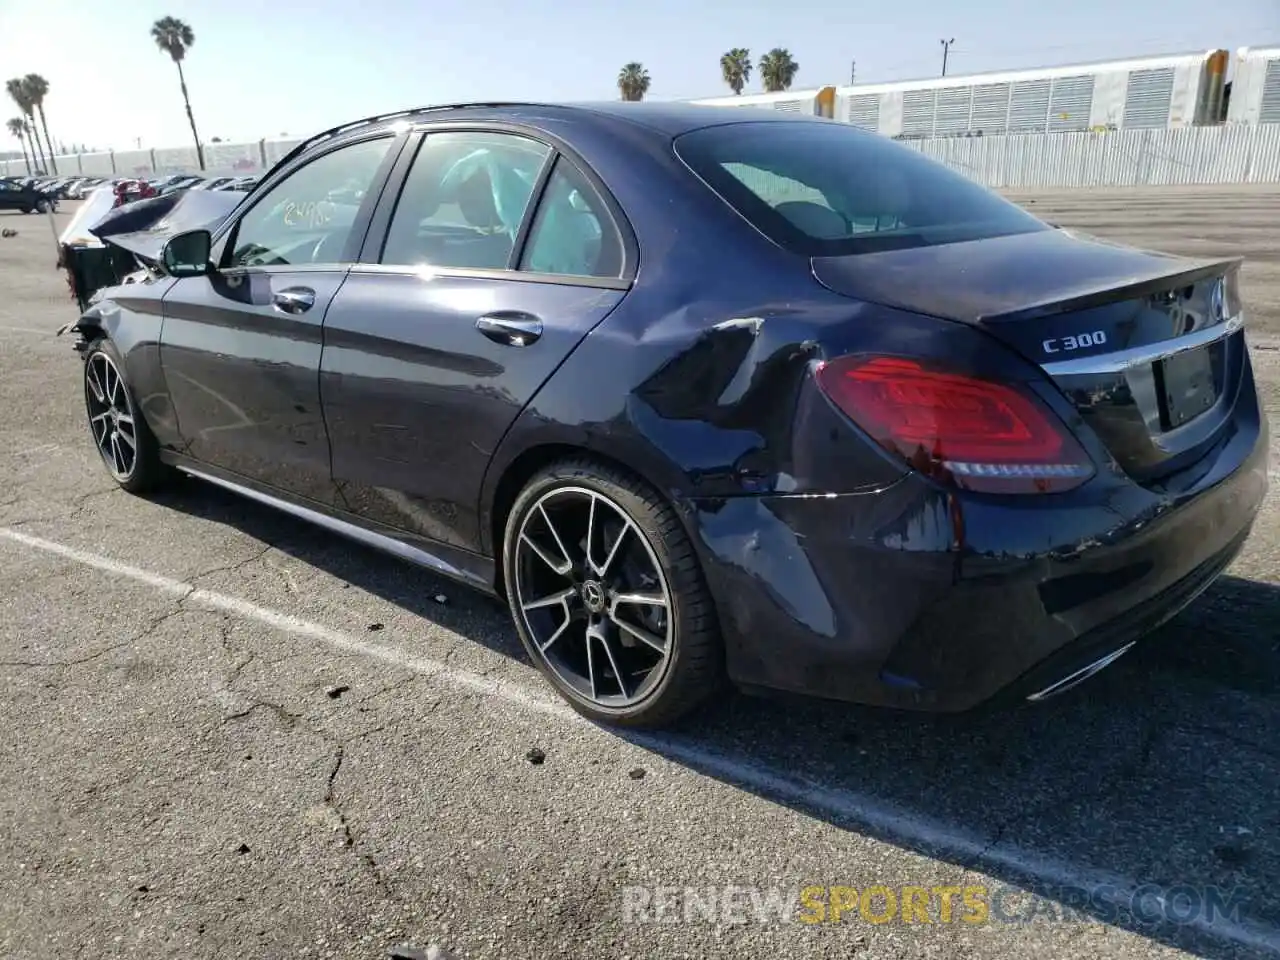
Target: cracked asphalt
x: 233, y: 735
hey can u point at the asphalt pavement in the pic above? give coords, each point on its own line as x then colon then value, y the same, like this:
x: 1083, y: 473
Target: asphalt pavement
x: 233, y: 735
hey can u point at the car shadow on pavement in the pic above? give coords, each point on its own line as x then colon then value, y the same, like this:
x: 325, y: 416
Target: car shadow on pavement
x: 1163, y: 771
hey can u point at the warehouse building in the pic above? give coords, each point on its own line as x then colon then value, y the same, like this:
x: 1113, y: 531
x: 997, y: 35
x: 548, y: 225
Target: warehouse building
x: 1144, y: 93
x: 1255, y: 86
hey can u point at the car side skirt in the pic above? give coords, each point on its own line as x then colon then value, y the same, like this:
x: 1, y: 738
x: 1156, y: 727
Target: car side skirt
x: 462, y: 566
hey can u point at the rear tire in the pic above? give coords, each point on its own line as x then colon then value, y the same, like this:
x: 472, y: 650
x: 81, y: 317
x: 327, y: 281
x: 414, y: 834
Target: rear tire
x: 608, y: 597
x: 117, y: 427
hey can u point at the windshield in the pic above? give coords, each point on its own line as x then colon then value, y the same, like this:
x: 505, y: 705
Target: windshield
x: 830, y: 189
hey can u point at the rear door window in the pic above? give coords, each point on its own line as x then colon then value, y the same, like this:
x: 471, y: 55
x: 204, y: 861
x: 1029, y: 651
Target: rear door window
x: 464, y: 200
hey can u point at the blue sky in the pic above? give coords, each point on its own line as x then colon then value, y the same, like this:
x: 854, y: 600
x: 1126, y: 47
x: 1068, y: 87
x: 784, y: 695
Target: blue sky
x: 266, y: 67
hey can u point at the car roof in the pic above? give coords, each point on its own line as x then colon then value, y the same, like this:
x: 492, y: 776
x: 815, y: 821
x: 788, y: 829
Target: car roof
x: 666, y: 119
x: 675, y: 118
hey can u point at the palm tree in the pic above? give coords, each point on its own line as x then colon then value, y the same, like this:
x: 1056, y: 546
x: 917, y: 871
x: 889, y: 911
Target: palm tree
x: 18, y: 93
x: 735, y: 67
x: 778, y: 70
x: 175, y: 38
x: 633, y: 81
x: 37, y: 89
x: 18, y: 128
x: 30, y: 129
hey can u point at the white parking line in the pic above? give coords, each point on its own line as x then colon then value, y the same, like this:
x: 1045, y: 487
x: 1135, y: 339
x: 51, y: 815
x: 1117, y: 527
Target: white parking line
x: 32, y: 330
x: 935, y: 838
x: 297, y: 626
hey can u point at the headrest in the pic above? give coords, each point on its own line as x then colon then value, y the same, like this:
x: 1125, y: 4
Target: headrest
x: 474, y: 196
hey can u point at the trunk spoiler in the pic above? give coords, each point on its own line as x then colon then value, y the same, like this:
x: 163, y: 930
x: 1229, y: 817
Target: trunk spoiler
x: 1013, y: 278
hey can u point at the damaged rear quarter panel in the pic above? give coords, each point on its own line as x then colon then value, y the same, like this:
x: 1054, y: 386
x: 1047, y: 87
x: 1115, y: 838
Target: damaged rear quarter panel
x: 706, y: 391
x: 716, y: 397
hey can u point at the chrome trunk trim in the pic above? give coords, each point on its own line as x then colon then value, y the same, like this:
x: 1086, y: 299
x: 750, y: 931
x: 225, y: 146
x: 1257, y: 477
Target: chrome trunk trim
x: 1121, y: 361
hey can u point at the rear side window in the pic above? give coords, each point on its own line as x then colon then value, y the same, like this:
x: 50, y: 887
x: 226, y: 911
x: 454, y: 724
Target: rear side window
x: 829, y: 189
x: 572, y: 233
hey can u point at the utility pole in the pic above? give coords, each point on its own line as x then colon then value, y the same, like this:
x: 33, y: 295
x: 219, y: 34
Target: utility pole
x: 853, y: 71
x: 946, y: 48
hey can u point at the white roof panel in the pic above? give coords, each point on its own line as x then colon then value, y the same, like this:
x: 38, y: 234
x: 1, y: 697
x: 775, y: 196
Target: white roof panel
x: 1037, y: 73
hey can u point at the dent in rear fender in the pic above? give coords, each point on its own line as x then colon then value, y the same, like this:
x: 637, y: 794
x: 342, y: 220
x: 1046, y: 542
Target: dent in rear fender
x: 714, y: 409
x: 737, y: 407
x: 722, y: 406
x: 807, y: 584
x: 742, y: 397
x: 708, y: 390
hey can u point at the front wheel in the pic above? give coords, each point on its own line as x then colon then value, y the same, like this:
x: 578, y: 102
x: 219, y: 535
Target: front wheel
x: 608, y: 597
x: 120, y: 432
x: 42, y: 206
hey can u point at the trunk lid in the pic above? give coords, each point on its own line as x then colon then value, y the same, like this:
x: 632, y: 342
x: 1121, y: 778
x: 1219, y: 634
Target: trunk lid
x: 1146, y: 345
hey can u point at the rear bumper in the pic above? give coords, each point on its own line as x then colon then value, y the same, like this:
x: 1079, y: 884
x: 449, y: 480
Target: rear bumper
x: 1098, y: 648
x: 917, y: 598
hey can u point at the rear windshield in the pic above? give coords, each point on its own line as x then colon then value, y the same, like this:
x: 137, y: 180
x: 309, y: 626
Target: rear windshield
x: 829, y: 189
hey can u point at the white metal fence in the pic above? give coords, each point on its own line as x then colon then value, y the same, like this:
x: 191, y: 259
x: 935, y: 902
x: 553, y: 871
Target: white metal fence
x: 244, y: 159
x: 1190, y: 155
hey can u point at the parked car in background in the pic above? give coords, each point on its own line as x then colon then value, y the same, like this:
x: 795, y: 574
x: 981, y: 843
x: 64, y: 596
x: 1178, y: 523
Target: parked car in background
x: 19, y: 195
x: 85, y: 186
x: 241, y: 184
x: 127, y: 191
x: 55, y: 189
x: 213, y: 183
x: 170, y: 181
x: 179, y: 183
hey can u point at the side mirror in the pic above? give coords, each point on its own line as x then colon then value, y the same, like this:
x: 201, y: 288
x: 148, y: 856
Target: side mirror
x: 187, y: 254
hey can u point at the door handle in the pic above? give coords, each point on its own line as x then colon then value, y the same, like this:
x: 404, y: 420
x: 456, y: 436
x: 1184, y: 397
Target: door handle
x: 510, y: 329
x: 294, y: 299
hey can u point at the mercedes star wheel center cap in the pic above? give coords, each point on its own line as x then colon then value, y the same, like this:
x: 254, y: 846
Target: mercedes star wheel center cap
x: 593, y: 596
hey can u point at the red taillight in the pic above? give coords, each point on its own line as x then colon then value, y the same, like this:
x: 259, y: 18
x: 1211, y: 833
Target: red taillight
x: 976, y: 434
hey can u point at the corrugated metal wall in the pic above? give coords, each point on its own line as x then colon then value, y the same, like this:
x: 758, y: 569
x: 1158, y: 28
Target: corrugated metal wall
x: 1269, y: 112
x: 1188, y: 155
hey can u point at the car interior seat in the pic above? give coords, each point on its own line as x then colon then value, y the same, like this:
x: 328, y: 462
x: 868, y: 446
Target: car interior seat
x: 815, y: 219
x: 492, y: 244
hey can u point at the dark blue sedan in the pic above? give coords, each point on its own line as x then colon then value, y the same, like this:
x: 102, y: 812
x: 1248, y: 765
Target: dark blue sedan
x: 707, y: 395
